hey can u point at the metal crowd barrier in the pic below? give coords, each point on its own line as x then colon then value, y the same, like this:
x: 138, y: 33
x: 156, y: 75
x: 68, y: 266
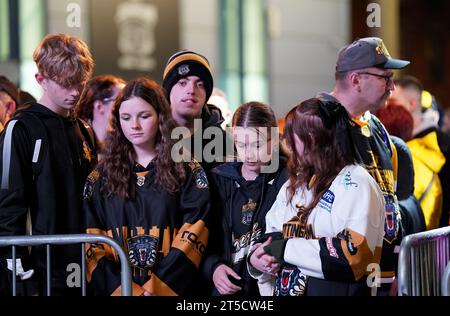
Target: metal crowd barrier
x: 82, y: 239
x: 446, y: 281
x: 422, y: 261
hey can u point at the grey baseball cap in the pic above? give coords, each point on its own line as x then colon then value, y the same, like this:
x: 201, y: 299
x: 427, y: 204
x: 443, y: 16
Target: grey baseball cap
x: 367, y: 52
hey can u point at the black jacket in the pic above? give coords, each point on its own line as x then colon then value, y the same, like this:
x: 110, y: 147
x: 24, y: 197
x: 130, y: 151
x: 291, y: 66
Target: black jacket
x: 211, y: 117
x: 53, y: 196
x: 239, y: 222
x: 413, y: 220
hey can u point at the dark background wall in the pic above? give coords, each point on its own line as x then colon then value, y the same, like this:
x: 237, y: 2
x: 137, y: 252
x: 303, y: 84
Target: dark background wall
x: 424, y: 40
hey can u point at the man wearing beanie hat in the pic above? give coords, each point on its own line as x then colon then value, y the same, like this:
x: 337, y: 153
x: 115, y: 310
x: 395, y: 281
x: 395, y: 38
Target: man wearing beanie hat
x: 9, y: 100
x: 188, y: 84
x: 363, y: 84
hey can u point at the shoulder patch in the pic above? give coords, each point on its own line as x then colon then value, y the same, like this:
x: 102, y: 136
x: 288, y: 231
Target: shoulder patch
x: 89, y: 185
x: 199, y: 175
x: 327, y: 200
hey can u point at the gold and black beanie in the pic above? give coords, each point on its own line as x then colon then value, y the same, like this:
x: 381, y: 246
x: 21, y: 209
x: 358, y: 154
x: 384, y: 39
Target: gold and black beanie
x: 187, y: 63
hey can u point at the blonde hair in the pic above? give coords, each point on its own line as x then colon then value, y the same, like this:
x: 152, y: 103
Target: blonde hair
x: 64, y: 59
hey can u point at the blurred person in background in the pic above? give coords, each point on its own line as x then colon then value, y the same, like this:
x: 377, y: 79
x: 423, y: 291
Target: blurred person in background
x: 96, y: 102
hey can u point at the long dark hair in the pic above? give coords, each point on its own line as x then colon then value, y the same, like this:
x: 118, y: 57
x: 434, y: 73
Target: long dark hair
x: 118, y: 162
x: 322, y: 159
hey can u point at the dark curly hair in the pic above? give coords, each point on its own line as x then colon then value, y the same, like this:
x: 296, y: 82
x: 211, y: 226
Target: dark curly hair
x: 321, y: 160
x: 117, y: 165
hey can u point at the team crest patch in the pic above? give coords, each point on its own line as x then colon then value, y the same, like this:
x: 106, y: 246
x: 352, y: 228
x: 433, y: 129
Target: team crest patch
x: 89, y: 185
x: 199, y: 175
x: 290, y: 282
x: 365, y: 130
x: 247, y: 212
x: 327, y: 200
x: 140, y: 178
x: 183, y: 70
x: 347, y: 236
x: 391, y: 224
x: 142, y: 251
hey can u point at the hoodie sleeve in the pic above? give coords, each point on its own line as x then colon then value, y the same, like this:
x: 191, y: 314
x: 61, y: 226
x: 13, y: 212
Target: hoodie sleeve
x: 176, y: 273
x: 215, y: 252
x: 16, y: 177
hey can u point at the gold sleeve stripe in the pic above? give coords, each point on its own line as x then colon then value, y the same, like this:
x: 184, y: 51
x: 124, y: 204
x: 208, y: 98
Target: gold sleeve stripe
x: 97, y: 253
x: 136, y: 290
x: 158, y: 288
x: 166, y: 245
x: 358, y: 262
x: 387, y: 274
x: 394, y: 158
x: 192, y: 239
x: 377, y: 255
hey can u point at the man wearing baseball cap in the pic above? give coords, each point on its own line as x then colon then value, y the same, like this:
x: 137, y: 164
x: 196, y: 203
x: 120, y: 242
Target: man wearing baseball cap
x: 9, y: 100
x: 364, y: 72
x: 188, y: 84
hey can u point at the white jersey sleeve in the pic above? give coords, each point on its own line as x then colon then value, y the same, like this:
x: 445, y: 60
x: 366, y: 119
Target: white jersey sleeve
x: 349, y: 225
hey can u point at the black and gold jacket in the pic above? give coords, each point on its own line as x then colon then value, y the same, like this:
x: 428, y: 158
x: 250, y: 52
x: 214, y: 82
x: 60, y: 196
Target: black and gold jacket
x: 164, y: 235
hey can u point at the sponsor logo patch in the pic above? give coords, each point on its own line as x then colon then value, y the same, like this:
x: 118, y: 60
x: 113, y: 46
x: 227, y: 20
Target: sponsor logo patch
x: 327, y: 201
x: 330, y: 247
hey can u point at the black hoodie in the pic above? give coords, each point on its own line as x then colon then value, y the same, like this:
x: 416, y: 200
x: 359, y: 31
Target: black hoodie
x: 54, y: 196
x: 211, y: 117
x: 239, y: 207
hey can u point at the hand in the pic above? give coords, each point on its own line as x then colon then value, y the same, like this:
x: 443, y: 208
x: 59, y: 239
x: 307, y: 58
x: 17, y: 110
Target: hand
x: 263, y: 262
x: 147, y: 294
x: 222, y: 281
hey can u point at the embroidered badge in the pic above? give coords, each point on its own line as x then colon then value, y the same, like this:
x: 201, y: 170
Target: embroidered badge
x: 247, y: 212
x: 290, y: 282
x: 142, y: 251
x: 381, y: 49
x: 390, y: 225
x: 347, y: 236
x: 327, y: 200
x: 199, y: 175
x: 366, y: 131
x: 89, y: 185
x: 183, y: 70
x: 141, y: 176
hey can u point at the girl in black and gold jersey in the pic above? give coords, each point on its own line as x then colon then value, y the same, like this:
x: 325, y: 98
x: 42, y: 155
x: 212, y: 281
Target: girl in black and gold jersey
x: 155, y: 208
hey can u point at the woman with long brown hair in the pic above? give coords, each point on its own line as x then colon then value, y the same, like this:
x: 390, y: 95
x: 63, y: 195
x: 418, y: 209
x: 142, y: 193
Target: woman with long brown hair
x: 155, y: 208
x: 327, y: 222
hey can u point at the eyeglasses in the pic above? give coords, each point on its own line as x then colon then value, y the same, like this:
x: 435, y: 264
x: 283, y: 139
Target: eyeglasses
x: 387, y: 78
